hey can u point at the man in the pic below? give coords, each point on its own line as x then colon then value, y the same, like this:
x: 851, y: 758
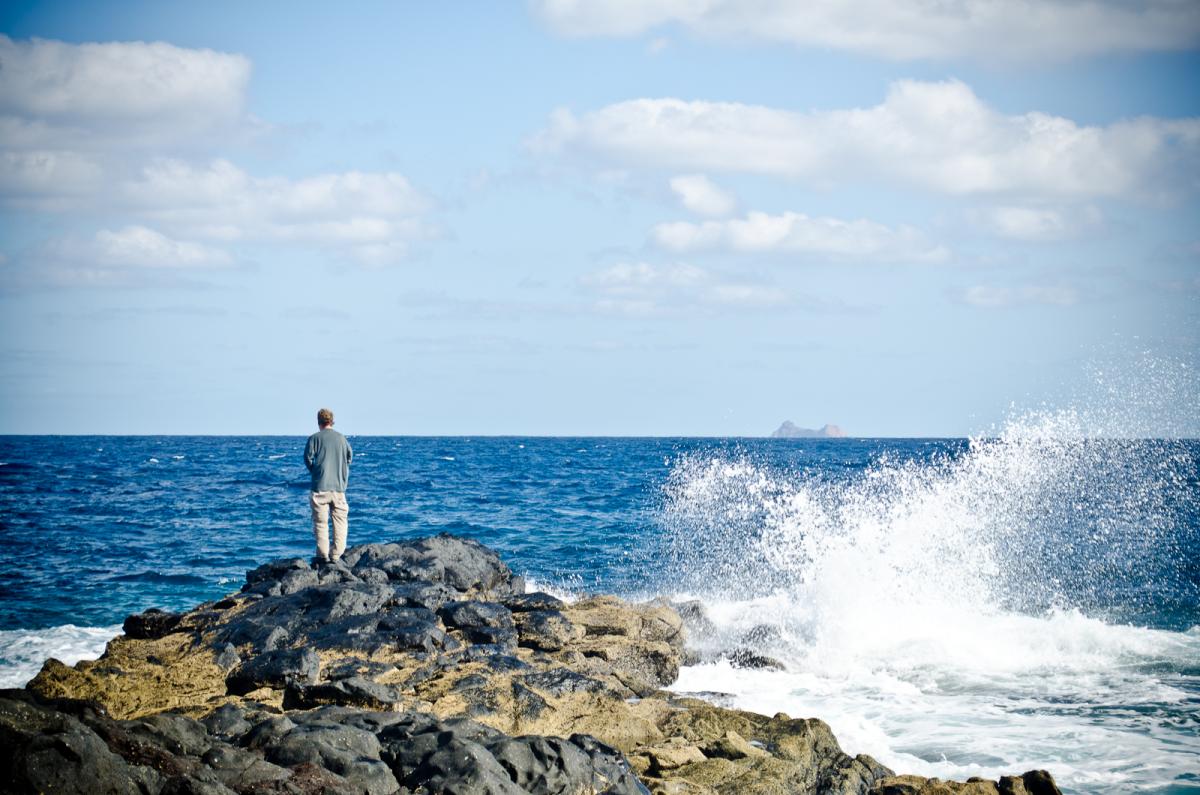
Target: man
x: 327, y: 456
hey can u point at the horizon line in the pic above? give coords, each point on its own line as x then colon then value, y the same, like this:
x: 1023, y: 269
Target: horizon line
x: 563, y: 436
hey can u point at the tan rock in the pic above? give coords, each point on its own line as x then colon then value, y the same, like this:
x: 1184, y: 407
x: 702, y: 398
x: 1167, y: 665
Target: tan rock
x: 732, y: 746
x: 1040, y: 783
x: 140, y: 677
x: 594, y: 667
x: 670, y: 755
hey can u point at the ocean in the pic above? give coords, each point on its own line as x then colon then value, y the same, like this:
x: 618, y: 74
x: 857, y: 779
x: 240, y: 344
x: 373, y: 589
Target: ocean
x: 953, y: 607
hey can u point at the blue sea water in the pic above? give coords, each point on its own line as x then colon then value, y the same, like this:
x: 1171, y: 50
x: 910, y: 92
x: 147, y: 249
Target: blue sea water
x: 952, y: 607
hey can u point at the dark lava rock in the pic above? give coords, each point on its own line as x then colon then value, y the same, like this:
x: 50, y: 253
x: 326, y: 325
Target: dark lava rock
x: 350, y: 752
x: 474, y: 614
x: 243, y: 771
x: 695, y: 618
x: 744, y: 658
x: 461, y: 756
x: 529, y: 705
x: 297, y: 580
x: 355, y: 666
x: 502, y: 637
x: 445, y: 763
x: 42, y: 750
x: 552, y: 764
x: 462, y: 564
x: 395, y: 628
x: 264, y: 588
x: 293, y: 616
x: 547, y: 630
x: 431, y: 595
x: 372, y: 575
x: 177, y: 734
x: 1036, y: 782
x: 533, y: 601
x: 267, y: 731
x: 275, y: 570
x: 227, y: 658
x: 560, y: 681
x: 150, y: 625
x: 345, y: 734
x: 403, y: 617
x: 334, y: 573
x: 226, y: 722
x: 497, y: 658
x: 274, y: 669
x: 352, y: 692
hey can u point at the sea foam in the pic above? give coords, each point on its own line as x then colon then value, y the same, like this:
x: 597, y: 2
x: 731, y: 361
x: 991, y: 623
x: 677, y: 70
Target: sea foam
x: 959, y: 615
x: 25, y: 650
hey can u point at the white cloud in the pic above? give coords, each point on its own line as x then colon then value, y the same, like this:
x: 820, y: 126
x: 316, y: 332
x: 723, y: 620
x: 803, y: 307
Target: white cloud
x: 938, y: 136
x: 373, y: 216
x: 1036, y: 223
x: 141, y: 247
x: 796, y: 233
x: 46, y: 178
x: 117, y: 94
x: 644, y: 289
x: 133, y: 256
x: 701, y: 196
x: 993, y: 297
x: 902, y: 29
x: 114, y: 130
x: 74, y: 118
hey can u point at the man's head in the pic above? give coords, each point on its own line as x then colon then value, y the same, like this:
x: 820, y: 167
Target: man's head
x: 324, y: 418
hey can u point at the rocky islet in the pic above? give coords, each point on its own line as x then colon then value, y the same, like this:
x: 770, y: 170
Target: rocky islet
x: 418, y: 666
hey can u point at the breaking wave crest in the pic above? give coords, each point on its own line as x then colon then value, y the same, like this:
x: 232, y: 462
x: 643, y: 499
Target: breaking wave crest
x: 1025, y: 598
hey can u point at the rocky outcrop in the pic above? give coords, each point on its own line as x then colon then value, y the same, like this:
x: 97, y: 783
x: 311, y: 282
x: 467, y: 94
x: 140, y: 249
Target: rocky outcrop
x: 1035, y: 782
x: 789, y: 430
x: 419, y: 666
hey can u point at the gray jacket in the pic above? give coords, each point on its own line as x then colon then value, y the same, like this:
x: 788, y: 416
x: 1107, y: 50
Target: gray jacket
x: 327, y: 456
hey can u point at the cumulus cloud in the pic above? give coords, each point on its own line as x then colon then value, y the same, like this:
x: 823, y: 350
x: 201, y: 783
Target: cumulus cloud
x: 85, y: 96
x: 48, y: 179
x: 141, y: 247
x: 644, y: 289
x: 902, y: 29
x: 125, y: 130
x: 132, y: 256
x: 1036, y: 224
x: 75, y: 117
x: 934, y: 135
x: 994, y: 297
x: 698, y: 194
x: 375, y: 216
x: 799, y: 234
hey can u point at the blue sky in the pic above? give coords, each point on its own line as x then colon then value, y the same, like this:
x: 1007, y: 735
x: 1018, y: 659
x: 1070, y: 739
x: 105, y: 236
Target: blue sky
x: 692, y: 217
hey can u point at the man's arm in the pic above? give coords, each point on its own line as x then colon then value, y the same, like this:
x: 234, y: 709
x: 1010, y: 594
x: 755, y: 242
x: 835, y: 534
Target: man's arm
x: 310, y: 451
x: 349, y: 452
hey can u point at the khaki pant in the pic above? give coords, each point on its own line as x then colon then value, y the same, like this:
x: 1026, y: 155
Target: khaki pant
x: 321, y: 502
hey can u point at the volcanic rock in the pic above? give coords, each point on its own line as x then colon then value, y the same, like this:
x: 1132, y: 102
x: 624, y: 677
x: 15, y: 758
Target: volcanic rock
x: 274, y: 669
x: 153, y: 623
x: 415, y: 666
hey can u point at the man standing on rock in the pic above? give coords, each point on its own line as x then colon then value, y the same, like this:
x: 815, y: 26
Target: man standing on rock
x: 327, y: 456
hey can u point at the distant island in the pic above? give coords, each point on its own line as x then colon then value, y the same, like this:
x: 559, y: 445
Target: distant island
x: 789, y: 430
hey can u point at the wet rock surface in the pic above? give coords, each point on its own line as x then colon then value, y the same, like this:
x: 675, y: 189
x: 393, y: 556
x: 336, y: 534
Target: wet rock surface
x: 414, y: 667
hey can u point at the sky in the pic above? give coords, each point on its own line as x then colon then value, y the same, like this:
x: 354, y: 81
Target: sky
x: 615, y: 217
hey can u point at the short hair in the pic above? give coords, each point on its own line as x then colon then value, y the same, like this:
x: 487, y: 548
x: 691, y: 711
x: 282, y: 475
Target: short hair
x: 324, y: 417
